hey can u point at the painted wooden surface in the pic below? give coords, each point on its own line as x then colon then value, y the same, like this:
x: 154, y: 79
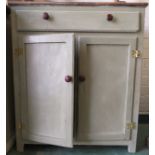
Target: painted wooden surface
x: 144, y: 99
x: 135, y: 102
x: 105, y: 98
x: 71, y: 21
x: 47, y: 100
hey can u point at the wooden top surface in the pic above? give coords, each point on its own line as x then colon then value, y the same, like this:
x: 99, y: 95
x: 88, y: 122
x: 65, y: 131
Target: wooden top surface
x: 46, y: 2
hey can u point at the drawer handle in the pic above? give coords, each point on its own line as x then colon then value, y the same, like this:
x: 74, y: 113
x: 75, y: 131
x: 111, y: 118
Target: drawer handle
x: 68, y: 78
x: 109, y: 17
x: 46, y: 16
x: 82, y: 78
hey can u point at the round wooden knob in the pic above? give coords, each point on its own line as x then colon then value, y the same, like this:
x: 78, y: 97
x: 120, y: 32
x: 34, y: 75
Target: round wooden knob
x: 46, y: 16
x: 68, y: 78
x: 81, y: 78
x: 109, y: 17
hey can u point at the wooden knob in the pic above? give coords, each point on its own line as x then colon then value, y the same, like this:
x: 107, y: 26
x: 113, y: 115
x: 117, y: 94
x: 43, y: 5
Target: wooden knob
x: 68, y: 78
x: 81, y: 78
x: 109, y: 17
x: 46, y: 16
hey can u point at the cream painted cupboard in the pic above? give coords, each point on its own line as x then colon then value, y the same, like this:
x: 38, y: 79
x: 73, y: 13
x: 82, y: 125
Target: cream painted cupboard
x: 77, y: 74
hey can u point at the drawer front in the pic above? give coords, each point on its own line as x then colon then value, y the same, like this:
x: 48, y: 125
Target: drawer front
x: 78, y: 21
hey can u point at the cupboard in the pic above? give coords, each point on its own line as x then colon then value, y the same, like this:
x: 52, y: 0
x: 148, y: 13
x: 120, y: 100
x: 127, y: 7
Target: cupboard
x: 77, y: 74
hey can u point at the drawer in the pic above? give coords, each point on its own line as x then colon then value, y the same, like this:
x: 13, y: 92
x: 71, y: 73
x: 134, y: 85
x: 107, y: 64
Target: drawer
x: 78, y: 21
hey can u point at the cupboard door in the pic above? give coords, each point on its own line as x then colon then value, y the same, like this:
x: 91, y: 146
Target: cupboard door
x: 106, y: 86
x: 46, y: 98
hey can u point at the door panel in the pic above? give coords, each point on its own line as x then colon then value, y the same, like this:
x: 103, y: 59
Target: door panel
x: 105, y: 97
x: 47, y: 100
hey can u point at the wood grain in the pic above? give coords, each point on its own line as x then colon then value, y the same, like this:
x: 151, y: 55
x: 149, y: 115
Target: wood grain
x: 45, y: 2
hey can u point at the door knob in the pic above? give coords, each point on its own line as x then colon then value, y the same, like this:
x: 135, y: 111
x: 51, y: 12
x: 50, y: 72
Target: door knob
x: 82, y: 78
x: 109, y: 17
x: 46, y: 16
x: 68, y: 78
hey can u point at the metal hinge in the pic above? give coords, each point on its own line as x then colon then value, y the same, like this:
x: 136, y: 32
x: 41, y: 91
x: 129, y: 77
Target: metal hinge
x: 131, y: 125
x: 19, y: 125
x: 136, y: 54
x: 18, y: 51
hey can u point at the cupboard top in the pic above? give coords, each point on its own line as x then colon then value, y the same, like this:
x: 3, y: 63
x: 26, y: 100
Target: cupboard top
x: 46, y: 2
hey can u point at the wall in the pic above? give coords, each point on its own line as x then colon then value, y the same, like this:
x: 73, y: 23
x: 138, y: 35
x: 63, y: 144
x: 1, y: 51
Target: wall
x: 144, y: 102
x: 10, y: 128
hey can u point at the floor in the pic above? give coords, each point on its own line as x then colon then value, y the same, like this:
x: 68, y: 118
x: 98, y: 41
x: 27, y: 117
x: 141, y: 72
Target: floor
x: 87, y: 150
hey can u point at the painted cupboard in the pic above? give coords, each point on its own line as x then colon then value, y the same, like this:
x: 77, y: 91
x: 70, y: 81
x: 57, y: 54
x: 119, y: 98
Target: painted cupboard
x: 77, y: 74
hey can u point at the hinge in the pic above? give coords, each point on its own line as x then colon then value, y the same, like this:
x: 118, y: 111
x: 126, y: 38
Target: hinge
x: 18, y: 51
x: 136, y: 54
x: 131, y: 125
x: 19, y: 125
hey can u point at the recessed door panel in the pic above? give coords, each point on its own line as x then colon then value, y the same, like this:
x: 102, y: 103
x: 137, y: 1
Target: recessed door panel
x: 47, y: 99
x: 106, y: 94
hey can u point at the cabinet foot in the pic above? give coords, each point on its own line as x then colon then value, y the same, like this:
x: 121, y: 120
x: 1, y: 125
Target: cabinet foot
x: 20, y: 147
x: 132, y: 148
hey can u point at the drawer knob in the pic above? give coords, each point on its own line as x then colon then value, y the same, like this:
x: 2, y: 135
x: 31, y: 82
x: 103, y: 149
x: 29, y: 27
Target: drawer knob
x: 46, y: 16
x: 82, y: 78
x: 109, y: 17
x: 68, y: 78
